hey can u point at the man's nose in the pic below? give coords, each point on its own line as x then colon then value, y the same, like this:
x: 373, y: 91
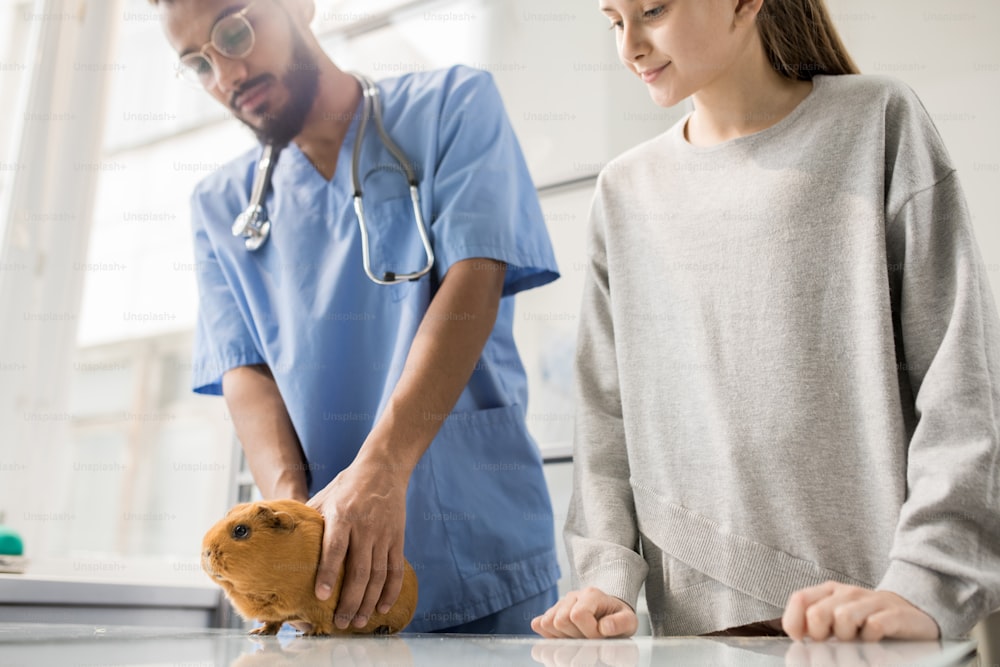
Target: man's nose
x: 230, y: 73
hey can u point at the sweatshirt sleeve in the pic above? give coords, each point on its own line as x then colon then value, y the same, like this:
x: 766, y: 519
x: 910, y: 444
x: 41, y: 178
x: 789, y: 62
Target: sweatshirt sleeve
x: 945, y: 557
x: 602, y: 537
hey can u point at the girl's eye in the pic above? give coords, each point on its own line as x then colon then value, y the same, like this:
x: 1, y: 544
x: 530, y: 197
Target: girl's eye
x: 653, y: 13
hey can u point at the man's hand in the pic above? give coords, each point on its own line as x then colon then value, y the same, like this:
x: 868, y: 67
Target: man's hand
x: 848, y: 612
x: 365, y: 505
x: 365, y: 512
x: 589, y: 613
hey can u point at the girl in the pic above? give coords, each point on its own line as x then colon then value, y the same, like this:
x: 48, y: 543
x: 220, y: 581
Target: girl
x: 787, y: 365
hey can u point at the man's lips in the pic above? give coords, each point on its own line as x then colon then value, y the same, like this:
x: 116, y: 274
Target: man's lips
x: 251, y: 96
x: 649, y: 75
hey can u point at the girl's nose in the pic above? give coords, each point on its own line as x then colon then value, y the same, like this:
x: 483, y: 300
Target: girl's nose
x: 633, y: 45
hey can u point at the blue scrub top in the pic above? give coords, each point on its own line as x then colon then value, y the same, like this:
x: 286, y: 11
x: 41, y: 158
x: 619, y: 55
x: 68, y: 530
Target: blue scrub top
x: 479, y: 529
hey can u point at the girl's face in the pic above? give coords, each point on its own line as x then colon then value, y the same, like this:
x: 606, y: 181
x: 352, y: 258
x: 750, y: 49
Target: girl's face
x: 679, y: 47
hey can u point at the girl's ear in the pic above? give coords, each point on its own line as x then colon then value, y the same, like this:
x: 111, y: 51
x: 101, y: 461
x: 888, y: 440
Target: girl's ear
x: 748, y: 8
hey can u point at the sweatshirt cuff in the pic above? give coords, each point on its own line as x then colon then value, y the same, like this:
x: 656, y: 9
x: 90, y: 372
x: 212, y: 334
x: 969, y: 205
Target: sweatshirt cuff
x: 620, y: 578
x: 945, y: 599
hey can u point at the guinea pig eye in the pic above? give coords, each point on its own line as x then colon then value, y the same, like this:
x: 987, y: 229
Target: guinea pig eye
x: 241, y: 531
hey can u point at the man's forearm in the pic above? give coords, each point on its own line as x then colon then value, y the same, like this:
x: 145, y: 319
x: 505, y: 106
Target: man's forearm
x: 365, y: 505
x: 265, y: 431
x: 443, y: 355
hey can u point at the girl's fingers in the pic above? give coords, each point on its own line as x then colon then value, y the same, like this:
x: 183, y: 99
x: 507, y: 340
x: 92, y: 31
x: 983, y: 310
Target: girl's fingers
x: 794, y: 619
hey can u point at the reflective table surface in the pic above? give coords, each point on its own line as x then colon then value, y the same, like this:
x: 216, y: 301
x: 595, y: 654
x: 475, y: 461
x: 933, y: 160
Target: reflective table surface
x: 47, y: 644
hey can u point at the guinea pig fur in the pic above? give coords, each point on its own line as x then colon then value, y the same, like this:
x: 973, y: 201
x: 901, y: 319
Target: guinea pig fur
x: 264, y: 555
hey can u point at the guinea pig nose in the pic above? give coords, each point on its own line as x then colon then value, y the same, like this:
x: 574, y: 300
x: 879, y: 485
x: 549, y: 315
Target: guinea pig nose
x: 207, y: 552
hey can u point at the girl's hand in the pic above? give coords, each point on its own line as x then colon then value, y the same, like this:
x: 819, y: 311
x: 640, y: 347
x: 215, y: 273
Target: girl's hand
x: 848, y: 612
x: 589, y: 613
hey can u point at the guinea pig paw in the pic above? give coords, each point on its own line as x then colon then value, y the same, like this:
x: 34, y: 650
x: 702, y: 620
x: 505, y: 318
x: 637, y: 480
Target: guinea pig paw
x: 269, y: 628
x: 382, y: 630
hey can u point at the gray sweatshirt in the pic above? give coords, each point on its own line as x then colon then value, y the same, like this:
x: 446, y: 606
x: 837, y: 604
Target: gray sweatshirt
x: 788, y: 371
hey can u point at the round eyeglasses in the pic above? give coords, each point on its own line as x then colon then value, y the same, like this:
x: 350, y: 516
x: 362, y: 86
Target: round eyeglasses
x: 232, y: 36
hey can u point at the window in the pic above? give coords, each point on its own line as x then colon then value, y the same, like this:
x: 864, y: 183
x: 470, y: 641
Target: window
x: 124, y: 479
x: 147, y: 465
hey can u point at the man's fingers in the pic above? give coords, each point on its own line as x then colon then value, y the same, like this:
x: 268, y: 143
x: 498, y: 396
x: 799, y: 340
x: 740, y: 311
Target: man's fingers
x: 373, y: 591
x: 393, y: 581
x: 331, y: 559
x: 357, y: 571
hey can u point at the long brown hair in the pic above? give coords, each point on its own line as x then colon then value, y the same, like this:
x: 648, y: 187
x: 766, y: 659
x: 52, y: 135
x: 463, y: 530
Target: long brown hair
x: 801, y: 41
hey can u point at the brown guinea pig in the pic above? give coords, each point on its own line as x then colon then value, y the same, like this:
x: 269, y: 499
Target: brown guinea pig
x: 265, y: 555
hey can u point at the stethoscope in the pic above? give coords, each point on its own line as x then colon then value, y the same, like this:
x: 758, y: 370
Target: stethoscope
x: 253, y: 223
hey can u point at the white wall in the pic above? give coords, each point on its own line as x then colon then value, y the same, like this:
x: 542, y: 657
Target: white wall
x: 948, y: 52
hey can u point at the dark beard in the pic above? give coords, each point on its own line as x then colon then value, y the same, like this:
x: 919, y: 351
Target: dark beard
x: 302, y: 82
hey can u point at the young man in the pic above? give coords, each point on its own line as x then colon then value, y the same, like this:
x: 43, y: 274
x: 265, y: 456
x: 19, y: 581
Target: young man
x: 396, y: 410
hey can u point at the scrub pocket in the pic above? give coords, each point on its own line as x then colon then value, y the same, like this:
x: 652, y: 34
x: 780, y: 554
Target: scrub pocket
x: 493, y: 497
x: 394, y: 242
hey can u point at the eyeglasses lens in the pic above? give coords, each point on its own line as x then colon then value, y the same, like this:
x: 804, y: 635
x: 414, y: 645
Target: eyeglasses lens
x: 232, y: 36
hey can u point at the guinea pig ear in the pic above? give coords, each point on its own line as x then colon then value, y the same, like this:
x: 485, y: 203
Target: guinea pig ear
x: 281, y: 521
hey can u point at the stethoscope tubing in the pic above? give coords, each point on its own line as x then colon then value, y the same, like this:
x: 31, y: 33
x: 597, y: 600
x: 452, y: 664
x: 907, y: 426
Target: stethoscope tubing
x: 372, y: 107
x: 253, y: 223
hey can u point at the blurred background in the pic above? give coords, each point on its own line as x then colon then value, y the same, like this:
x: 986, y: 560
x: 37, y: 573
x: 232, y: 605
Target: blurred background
x: 110, y: 468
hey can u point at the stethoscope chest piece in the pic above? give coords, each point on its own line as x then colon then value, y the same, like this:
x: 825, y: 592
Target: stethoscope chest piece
x: 253, y: 225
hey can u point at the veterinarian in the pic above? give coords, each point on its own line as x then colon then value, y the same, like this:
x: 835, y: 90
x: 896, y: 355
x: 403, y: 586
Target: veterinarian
x: 396, y: 409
